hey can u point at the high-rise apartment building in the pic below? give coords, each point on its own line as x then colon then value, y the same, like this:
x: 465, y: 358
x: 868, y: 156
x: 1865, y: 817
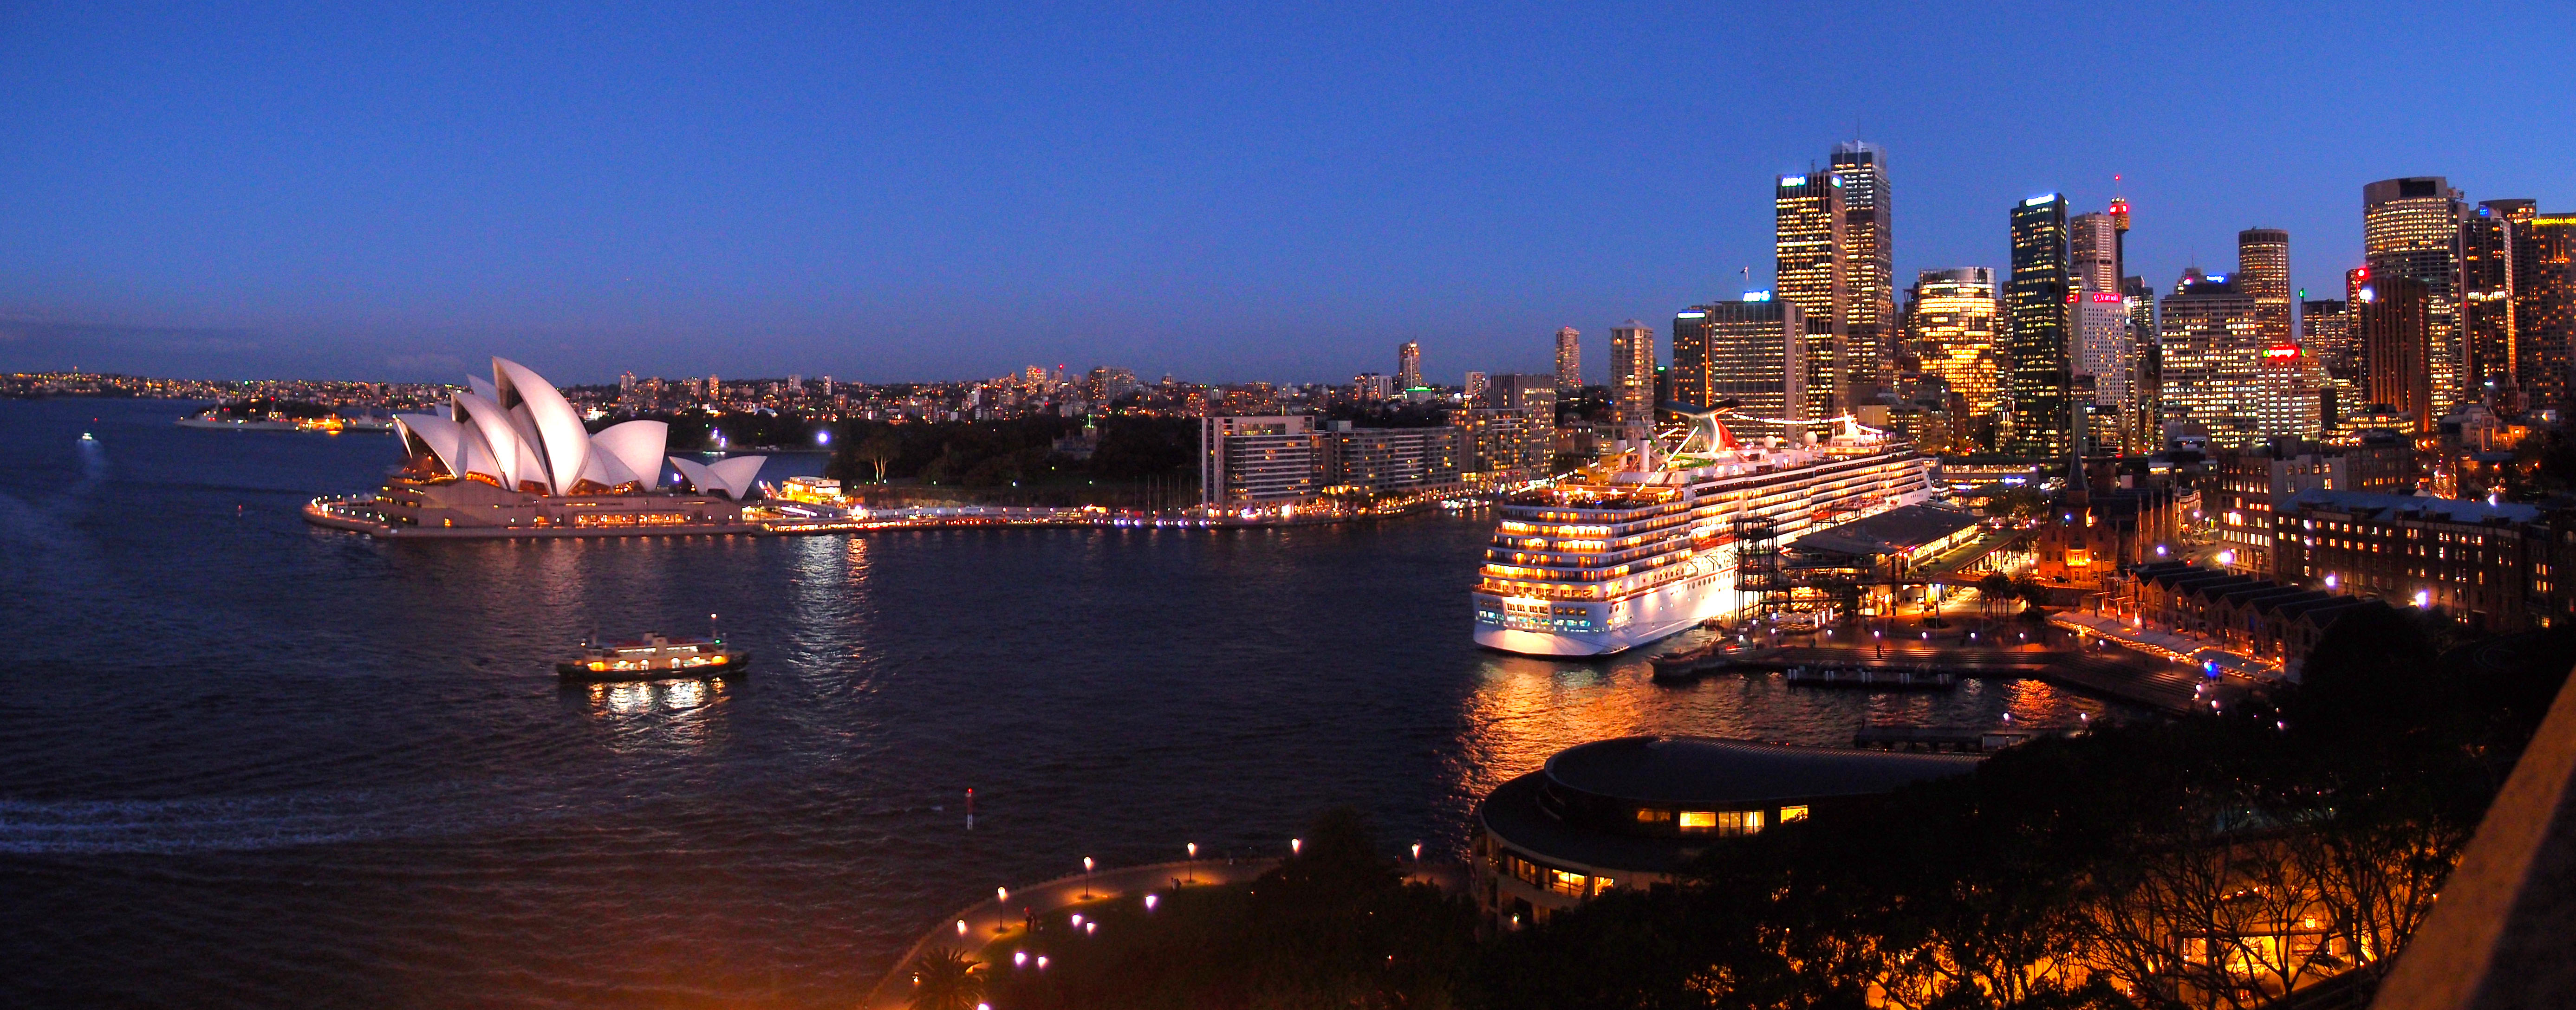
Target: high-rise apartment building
x: 2325, y: 331
x: 1632, y: 377
x: 2544, y: 312
x: 1516, y: 391
x: 2393, y: 315
x: 2263, y: 270
x: 1475, y: 386
x: 1811, y: 249
x: 1752, y: 354
x: 2288, y: 390
x: 2035, y: 300
x: 1408, y: 365
x: 1569, y: 360
x: 2105, y: 351
x: 2145, y: 421
x: 1370, y: 387
x: 1957, y: 327
x: 2411, y: 228
x: 1259, y: 460
x: 1870, y: 321
x: 2489, y: 237
x: 2211, y: 355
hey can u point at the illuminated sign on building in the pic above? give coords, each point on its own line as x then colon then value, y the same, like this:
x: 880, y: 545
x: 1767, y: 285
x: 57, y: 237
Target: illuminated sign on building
x: 1793, y: 180
x: 2281, y: 353
x: 2105, y: 298
x: 2038, y: 200
x: 1757, y: 296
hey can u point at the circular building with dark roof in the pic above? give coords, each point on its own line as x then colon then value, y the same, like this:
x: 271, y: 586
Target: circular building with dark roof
x: 1632, y: 812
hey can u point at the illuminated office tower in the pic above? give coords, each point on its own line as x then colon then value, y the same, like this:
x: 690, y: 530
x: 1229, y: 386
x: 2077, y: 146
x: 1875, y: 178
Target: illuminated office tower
x: 1870, y: 321
x: 1956, y: 326
x: 1811, y: 252
x: 2093, y: 247
x: 2120, y: 234
x: 2544, y: 296
x: 2411, y: 228
x: 1750, y: 353
x: 1569, y: 361
x: 2212, y: 355
x: 2287, y: 390
x: 1408, y: 365
x: 2392, y: 314
x: 2144, y: 416
x: 2104, y: 351
x: 1632, y: 377
x: 2035, y: 304
x: 2325, y: 336
x: 2263, y: 270
x: 2489, y: 237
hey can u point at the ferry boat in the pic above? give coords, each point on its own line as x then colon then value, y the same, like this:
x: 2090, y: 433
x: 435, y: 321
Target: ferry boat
x: 1644, y: 546
x: 655, y: 656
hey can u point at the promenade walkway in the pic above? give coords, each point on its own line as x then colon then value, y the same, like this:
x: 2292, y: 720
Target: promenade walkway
x: 999, y: 916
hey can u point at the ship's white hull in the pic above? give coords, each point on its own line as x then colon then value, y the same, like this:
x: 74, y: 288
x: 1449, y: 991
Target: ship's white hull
x: 1650, y: 616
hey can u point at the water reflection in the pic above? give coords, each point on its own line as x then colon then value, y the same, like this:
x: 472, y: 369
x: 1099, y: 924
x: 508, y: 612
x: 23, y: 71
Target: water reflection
x: 662, y: 713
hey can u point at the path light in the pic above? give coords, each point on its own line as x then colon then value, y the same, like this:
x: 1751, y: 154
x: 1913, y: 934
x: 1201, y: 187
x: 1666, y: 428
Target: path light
x: 1001, y: 894
x: 1090, y: 927
x: 1149, y: 902
x: 961, y: 927
x: 1417, y: 852
x: 1296, y: 845
x: 1086, y: 878
x: 1019, y: 957
x: 1041, y: 962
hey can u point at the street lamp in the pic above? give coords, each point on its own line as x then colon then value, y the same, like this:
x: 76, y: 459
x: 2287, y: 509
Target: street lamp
x: 1296, y: 845
x: 1417, y: 852
x: 1086, y: 878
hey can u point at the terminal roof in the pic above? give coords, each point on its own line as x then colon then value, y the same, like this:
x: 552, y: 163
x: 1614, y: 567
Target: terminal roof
x: 1724, y: 773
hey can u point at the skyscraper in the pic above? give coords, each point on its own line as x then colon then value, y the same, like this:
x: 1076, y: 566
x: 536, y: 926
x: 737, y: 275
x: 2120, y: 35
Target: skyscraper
x: 2393, y: 314
x: 1632, y: 377
x: 2263, y: 270
x: 2035, y: 303
x: 1811, y: 250
x: 2093, y: 246
x: 1870, y: 321
x: 1569, y: 361
x: 1408, y: 365
x: 2411, y: 228
x: 2544, y: 295
x: 1751, y: 353
x: 2211, y: 354
x: 1475, y: 385
x: 1956, y: 323
x: 2488, y: 240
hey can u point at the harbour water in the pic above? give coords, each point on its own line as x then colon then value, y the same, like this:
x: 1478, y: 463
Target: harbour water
x: 248, y: 762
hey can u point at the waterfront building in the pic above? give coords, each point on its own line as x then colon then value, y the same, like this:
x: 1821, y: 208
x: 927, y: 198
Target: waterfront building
x: 1632, y: 377
x: 1812, y: 254
x: 2393, y: 321
x: 1262, y: 460
x: 2096, y: 527
x: 2263, y: 271
x: 2210, y: 355
x: 1752, y: 354
x: 2545, y: 314
x: 2042, y: 378
x: 1504, y: 445
x: 1956, y: 324
x: 2494, y: 567
x: 2245, y: 485
x: 2410, y: 228
x: 1569, y: 361
x: 1383, y: 462
x: 1870, y: 319
x: 1633, y: 813
x: 1408, y: 366
x: 2253, y: 616
x: 511, y: 457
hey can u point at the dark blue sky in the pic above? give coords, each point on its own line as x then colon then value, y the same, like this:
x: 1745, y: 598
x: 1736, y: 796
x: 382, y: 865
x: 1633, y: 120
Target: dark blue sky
x: 1275, y: 191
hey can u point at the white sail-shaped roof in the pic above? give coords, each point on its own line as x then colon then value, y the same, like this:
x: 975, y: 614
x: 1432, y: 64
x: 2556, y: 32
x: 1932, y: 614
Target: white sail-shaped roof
x: 438, y: 436
x: 638, y: 445
x: 561, y: 438
x: 515, y: 459
x: 734, y: 476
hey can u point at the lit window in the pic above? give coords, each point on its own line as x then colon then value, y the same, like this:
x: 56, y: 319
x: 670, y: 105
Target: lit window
x: 1698, y: 820
x: 1788, y: 814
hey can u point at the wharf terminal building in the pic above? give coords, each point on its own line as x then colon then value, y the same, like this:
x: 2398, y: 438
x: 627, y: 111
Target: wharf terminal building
x: 510, y: 458
x: 1635, y: 812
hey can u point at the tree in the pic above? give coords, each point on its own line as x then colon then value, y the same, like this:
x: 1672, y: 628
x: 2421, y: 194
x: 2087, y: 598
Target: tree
x: 880, y: 449
x: 946, y: 979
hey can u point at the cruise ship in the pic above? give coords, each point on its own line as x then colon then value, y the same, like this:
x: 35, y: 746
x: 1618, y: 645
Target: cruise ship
x: 1639, y: 549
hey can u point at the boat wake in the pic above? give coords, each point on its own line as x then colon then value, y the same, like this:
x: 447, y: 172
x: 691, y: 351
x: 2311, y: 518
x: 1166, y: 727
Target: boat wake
x: 247, y: 823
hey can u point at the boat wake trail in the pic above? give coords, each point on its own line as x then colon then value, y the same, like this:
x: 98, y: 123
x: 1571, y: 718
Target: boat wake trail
x: 245, y: 823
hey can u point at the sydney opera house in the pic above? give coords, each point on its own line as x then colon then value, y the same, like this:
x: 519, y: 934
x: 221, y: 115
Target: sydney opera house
x: 511, y: 458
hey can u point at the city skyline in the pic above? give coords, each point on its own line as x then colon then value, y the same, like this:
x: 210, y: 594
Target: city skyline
x: 678, y: 210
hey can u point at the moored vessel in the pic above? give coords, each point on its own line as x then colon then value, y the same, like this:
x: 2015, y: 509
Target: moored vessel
x: 1636, y: 549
